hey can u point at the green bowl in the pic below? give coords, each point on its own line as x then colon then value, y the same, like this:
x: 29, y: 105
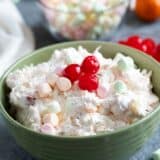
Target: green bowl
x: 117, y: 145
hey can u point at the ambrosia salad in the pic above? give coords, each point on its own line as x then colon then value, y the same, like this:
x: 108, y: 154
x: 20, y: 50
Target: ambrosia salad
x: 77, y: 93
x: 84, y: 19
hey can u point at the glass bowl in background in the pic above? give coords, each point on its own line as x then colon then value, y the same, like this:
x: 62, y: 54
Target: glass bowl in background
x: 83, y: 21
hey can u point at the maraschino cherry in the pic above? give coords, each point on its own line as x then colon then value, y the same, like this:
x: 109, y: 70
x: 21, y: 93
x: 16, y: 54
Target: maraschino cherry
x: 90, y: 65
x: 85, y: 73
x: 88, y: 82
x: 72, y: 72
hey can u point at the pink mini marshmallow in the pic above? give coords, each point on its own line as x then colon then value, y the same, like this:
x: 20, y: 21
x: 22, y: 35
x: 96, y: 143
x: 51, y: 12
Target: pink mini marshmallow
x: 78, y: 33
x: 86, y: 6
x: 47, y: 128
x: 59, y: 71
x: 63, y: 84
x: 102, y: 91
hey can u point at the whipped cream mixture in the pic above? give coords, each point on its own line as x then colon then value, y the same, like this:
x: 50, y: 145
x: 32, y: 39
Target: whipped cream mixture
x: 46, y: 101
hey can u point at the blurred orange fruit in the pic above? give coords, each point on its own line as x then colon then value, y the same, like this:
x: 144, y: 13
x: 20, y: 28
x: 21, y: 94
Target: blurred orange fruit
x: 148, y: 10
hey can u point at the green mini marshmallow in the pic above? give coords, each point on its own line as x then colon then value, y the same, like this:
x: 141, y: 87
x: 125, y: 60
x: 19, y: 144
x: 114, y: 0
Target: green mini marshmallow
x: 156, y: 155
x: 108, y: 75
x: 79, y: 19
x: 120, y: 86
x: 69, y: 60
x: 62, y: 18
x: 63, y: 7
x: 122, y: 65
x: 69, y: 105
x: 73, y: 58
x: 98, y: 29
x: 102, y: 19
x: 130, y: 62
x: 99, y: 7
x: 125, y: 64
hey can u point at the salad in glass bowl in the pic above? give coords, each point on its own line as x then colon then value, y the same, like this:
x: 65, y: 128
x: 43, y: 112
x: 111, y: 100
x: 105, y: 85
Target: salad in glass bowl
x: 80, y: 19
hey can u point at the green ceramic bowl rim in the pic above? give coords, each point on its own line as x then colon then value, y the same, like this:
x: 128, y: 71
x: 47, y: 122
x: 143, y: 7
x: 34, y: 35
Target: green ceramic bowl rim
x: 124, y: 129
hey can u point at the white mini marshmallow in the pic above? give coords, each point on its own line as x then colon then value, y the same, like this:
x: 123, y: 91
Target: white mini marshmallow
x: 51, y: 79
x: 54, y: 106
x: 44, y: 90
x: 64, y: 84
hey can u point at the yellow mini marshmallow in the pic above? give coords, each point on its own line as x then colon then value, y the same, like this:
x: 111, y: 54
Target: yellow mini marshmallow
x: 51, y: 118
x: 135, y: 108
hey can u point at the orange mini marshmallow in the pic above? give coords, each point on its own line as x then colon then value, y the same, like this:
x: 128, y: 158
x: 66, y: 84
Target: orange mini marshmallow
x: 63, y: 84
